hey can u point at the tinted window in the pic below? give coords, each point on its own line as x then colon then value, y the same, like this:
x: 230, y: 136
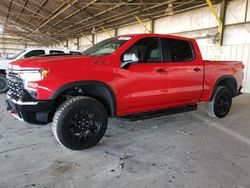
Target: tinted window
x: 34, y: 53
x: 146, y: 49
x: 56, y: 52
x: 74, y: 52
x: 177, y: 50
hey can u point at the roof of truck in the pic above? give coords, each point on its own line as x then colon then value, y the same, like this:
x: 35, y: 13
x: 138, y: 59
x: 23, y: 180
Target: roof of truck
x: 38, y: 48
x: 157, y: 35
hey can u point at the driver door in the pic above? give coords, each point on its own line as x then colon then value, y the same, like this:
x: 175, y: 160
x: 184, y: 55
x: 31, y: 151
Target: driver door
x: 142, y: 85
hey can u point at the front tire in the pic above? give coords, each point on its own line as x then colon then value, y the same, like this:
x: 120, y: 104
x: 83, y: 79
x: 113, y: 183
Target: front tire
x: 80, y: 122
x: 221, y: 102
x: 3, y: 83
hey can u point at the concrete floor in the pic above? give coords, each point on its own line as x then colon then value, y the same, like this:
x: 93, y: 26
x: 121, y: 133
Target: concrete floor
x: 183, y: 150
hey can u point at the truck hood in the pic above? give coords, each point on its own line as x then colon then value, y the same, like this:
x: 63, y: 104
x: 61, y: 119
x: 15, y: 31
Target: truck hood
x: 47, y: 62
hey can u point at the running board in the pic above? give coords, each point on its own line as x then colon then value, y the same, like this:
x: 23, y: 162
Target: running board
x: 158, y: 113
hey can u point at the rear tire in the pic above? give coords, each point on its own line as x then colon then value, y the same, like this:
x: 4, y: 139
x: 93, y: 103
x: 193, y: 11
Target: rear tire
x: 221, y: 102
x: 3, y: 83
x: 80, y: 122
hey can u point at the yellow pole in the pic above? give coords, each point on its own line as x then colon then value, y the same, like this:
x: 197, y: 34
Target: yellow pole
x: 218, y: 20
x: 139, y: 20
x: 86, y: 38
x: 106, y: 31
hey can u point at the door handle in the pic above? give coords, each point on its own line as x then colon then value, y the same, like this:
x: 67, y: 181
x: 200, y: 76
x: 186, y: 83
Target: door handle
x: 197, y: 69
x: 160, y: 70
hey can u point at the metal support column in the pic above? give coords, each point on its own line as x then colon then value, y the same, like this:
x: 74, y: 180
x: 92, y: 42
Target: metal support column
x: 78, y: 43
x: 222, y: 17
x: 93, y: 39
x: 152, y: 25
x: 67, y: 43
x: 25, y: 43
x: 246, y: 11
x: 116, y: 31
x: 218, y: 18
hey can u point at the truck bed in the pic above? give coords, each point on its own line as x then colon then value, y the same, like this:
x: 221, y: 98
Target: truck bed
x: 215, y: 70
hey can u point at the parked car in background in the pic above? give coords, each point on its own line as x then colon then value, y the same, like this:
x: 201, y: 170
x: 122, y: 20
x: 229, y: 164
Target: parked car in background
x: 26, y: 53
x: 76, y: 52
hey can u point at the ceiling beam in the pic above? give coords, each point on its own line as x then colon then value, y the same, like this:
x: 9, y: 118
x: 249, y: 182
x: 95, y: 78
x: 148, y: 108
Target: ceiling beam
x: 8, y: 13
x: 112, y: 18
x: 72, y: 14
x: 21, y: 12
x: 53, y: 15
x: 57, y: 12
x: 13, y: 18
x: 23, y: 28
x: 28, y: 9
x: 38, y: 10
x: 98, y: 14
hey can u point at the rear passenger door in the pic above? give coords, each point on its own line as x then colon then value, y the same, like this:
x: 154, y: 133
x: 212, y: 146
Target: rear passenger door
x: 184, y: 71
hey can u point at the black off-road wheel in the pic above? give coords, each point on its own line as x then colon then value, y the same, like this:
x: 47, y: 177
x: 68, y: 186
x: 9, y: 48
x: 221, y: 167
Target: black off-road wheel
x: 3, y: 84
x: 221, y: 102
x: 80, y: 122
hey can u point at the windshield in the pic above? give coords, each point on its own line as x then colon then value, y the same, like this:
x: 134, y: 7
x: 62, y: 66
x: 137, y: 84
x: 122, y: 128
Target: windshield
x: 107, y: 46
x: 16, y: 55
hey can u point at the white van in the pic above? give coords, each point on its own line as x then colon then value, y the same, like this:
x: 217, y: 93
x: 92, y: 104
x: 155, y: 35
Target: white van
x: 29, y: 52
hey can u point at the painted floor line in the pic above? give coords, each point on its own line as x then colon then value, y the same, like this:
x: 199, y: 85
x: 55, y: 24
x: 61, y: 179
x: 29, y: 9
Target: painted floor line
x: 224, y: 129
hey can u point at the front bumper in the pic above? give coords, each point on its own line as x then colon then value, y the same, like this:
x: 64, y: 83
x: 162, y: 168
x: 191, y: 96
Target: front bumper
x: 37, y: 112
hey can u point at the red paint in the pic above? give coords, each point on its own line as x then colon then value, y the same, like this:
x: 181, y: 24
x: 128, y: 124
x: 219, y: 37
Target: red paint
x: 140, y: 87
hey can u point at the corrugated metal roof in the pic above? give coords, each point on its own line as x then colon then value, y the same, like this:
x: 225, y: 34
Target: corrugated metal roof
x: 49, y: 21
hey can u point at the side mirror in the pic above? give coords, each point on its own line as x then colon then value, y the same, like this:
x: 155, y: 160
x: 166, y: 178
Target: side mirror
x: 132, y: 57
x: 129, y: 58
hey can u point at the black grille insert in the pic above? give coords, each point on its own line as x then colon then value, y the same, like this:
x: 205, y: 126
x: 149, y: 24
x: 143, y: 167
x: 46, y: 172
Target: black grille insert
x: 15, y: 84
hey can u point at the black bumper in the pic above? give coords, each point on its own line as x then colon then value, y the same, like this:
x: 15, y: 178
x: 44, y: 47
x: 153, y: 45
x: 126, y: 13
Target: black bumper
x: 32, y: 112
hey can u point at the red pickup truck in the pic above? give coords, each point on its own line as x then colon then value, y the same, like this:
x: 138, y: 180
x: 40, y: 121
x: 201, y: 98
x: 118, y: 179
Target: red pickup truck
x: 129, y: 76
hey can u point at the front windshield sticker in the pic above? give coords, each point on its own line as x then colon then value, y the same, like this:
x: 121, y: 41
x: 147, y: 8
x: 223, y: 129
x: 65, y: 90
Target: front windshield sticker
x: 124, y: 38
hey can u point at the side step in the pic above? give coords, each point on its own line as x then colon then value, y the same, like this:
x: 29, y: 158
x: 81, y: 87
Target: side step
x: 158, y: 113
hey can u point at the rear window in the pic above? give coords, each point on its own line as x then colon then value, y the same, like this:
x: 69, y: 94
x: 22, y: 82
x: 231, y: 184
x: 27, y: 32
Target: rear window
x: 175, y: 50
x: 56, y: 52
x: 75, y: 52
x: 181, y: 50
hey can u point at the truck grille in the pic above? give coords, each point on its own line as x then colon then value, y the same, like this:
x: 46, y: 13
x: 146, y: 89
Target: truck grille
x: 15, y: 85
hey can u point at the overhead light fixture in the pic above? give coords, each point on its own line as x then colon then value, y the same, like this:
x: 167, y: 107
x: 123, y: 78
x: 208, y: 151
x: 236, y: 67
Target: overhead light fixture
x: 170, y: 10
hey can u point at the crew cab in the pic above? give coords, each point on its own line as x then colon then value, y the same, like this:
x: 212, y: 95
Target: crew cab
x: 130, y: 76
x: 27, y: 53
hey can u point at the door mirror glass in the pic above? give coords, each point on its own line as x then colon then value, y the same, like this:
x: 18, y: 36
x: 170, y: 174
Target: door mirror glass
x: 130, y: 57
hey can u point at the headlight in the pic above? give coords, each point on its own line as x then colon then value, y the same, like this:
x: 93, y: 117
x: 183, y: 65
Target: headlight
x: 31, y: 76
